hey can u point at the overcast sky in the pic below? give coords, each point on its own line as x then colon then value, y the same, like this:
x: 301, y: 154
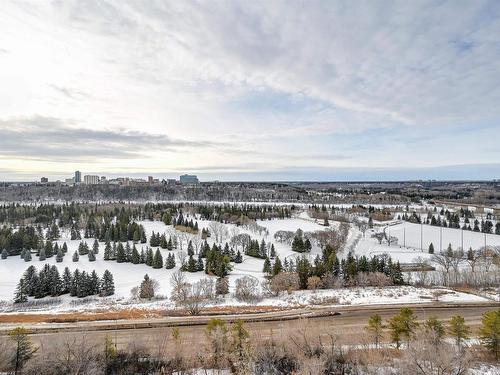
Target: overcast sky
x: 262, y: 90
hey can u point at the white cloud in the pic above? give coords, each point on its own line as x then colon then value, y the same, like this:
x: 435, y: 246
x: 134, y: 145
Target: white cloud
x: 175, y: 68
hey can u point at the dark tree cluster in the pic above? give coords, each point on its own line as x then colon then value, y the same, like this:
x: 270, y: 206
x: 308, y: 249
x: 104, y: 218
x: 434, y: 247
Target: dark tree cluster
x: 181, y: 221
x: 48, y: 282
x: 14, y: 241
x: 256, y: 250
x: 129, y: 254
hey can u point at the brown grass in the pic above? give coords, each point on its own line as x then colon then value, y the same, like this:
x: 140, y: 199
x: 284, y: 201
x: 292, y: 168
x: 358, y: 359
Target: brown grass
x: 128, y: 314
x: 79, y: 316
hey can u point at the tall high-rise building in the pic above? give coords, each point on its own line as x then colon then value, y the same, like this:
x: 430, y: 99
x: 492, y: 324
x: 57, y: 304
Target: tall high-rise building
x: 78, y: 177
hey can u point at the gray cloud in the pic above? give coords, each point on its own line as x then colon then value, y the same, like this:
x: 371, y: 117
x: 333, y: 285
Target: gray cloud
x: 49, y: 138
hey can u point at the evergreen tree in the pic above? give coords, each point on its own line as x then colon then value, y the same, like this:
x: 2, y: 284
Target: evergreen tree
x: 107, y: 251
x: 375, y: 326
x: 91, y: 256
x: 170, y: 263
x: 21, y: 294
x: 149, y: 257
x: 135, y: 257
x: 64, y: 248
x: 200, y: 266
x: 238, y: 258
x: 191, y: 265
x: 435, y: 328
x: 24, y: 350
x: 59, y: 256
x: 458, y: 330
x: 489, y: 332
x: 95, y: 247
x: 272, y: 252
x: 267, y: 266
x: 431, y: 248
x: 76, y: 257
x: 66, y: 281
x: 54, y: 281
x: 107, y: 287
x: 403, y: 325
x: 41, y: 256
x: 157, y: 260
x: 94, y: 283
x: 277, y: 266
x: 27, y: 256
x: 146, y: 289
x: 121, y: 257
x: 5, y: 254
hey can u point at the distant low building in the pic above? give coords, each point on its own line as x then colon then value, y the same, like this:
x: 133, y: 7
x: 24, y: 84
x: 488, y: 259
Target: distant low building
x: 69, y: 181
x: 188, y: 179
x: 91, y: 179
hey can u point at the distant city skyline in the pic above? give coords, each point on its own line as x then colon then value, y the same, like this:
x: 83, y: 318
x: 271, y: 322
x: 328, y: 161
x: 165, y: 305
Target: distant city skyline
x: 238, y: 90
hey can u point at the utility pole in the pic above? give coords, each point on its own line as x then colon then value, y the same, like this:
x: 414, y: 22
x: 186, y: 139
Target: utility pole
x: 440, y: 239
x: 421, y: 237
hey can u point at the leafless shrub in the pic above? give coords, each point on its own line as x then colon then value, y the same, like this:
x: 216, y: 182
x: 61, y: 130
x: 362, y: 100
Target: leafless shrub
x: 314, y: 282
x: 273, y: 358
x: 377, y: 279
x: 425, y: 358
x: 247, y: 289
x: 284, y: 282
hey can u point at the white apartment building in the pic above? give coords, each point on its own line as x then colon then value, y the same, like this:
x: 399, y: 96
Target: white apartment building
x: 90, y: 180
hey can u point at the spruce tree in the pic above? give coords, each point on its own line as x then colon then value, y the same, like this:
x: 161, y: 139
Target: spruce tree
x: 5, y: 254
x: 49, y: 250
x: 277, y: 266
x: 135, y: 257
x: 76, y: 257
x: 66, y: 281
x: 21, y: 294
x: 41, y: 256
x: 157, y: 260
x: 272, y: 252
x: 121, y: 257
x: 65, y: 248
x: 107, y: 251
x: 95, y: 247
x: 170, y: 261
x: 200, y: 266
x: 191, y: 265
x: 149, y: 257
x: 91, y: 256
x: 94, y: 283
x: 27, y: 256
x: 238, y: 258
x: 54, y: 281
x: 267, y: 266
x: 190, y: 249
x: 59, y: 256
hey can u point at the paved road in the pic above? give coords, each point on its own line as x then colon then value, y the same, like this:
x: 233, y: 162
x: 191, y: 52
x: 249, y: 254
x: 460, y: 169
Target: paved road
x: 347, y: 323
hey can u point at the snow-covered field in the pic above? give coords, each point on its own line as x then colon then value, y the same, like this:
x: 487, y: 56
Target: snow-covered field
x: 128, y: 275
